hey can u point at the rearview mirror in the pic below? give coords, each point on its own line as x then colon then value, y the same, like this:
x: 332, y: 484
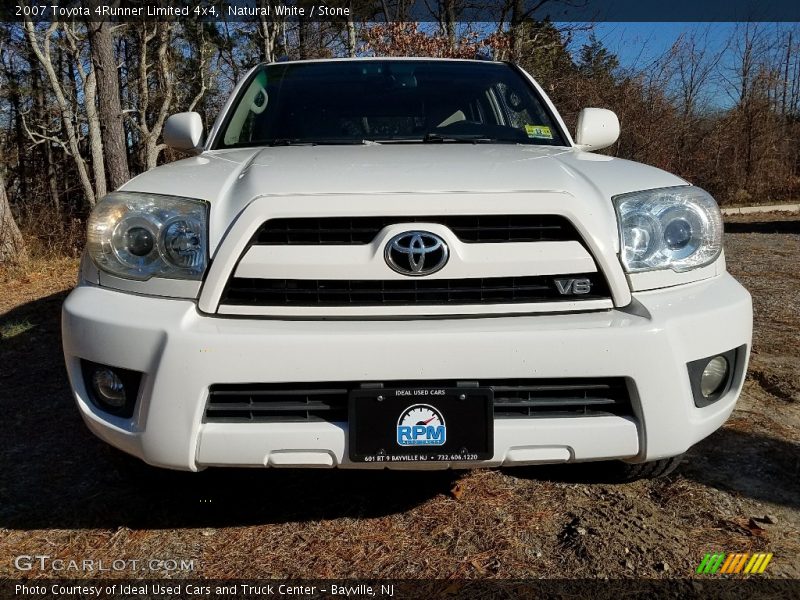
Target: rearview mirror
x: 184, y: 132
x: 597, y: 128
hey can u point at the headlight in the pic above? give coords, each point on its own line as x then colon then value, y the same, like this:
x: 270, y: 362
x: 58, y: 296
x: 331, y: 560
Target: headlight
x: 678, y: 228
x: 139, y: 236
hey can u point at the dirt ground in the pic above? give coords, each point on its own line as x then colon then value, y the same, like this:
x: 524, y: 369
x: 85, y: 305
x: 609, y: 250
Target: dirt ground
x: 65, y: 494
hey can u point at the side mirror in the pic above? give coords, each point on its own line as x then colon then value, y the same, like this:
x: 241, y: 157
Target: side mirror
x: 597, y: 128
x: 184, y: 132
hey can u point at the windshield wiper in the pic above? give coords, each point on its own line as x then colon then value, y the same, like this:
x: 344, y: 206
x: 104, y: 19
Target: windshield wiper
x: 461, y: 138
x: 287, y: 142
x: 320, y: 142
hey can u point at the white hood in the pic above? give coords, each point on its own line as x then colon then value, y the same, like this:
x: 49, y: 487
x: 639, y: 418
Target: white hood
x: 231, y: 179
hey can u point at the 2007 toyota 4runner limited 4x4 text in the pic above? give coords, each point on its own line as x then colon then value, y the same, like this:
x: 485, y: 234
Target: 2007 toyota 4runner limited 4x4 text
x: 404, y: 263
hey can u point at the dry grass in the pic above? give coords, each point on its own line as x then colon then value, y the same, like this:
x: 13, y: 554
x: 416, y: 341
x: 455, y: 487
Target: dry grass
x: 66, y: 494
x: 40, y: 276
x: 12, y: 329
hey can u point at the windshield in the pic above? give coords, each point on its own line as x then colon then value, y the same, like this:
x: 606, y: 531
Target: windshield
x: 357, y: 102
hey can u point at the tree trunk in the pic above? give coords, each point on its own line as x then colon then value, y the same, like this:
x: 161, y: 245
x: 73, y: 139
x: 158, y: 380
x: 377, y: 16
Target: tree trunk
x: 89, y: 84
x: 95, y: 138
x: 12, y: 247
x: 15, y: 101
x: 302, y: 38
x: 785, y: 82
x: 266, y: 49
x: 516, y: 30
x: 52, y: 183
x: 351, y: 33
x: 37, y: 92
x: 112, y: 129
x: 268, y: 30
x: 448, y: 23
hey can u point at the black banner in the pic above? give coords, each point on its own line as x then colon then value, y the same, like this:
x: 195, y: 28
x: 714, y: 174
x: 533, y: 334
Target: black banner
x: 403, y: 10
x: 263, y: 589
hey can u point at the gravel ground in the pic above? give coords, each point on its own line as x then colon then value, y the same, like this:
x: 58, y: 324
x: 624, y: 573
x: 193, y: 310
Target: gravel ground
x: 65, y: 494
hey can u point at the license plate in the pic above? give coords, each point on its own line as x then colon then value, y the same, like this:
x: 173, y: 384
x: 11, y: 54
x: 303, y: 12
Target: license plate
x: 421, y: 424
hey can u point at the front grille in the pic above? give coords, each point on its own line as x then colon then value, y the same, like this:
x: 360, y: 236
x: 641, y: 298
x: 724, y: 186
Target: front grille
x: 583, y: 397
x: 477, y: 229
x: 327, y: 401
x: 278, y: 402
x: 399, y: 292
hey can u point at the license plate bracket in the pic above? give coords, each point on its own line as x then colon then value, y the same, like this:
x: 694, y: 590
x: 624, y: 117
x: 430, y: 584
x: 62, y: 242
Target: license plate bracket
x: 421, y: 424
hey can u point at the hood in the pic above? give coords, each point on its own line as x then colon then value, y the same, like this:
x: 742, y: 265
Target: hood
x: 231, y: 179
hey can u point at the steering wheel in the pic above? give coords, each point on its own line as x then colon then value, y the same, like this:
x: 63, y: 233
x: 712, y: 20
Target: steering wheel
x: 514, y: 100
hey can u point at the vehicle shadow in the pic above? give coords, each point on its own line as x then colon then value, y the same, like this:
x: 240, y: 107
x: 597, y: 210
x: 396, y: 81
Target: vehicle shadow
x: 56, y: 474
x: 747, y: 464
x: 792, y: 226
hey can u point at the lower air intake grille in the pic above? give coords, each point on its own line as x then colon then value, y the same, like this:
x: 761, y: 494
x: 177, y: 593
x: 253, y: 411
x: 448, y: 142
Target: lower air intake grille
x: 403, y: 292
x: 266, y: 402
x: 327, y: 401
x: 554, y: 397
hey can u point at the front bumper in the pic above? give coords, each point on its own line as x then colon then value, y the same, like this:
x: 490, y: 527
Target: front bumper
x: 182, y: 352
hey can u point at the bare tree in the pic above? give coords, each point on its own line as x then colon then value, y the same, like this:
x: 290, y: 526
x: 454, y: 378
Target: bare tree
x: 445, y: 15
x: 520, y: 20
x: 694, y: 66
x: 42, y: 52
x: 150, y: 128
x: 12, y: 246
x: 751, y: 46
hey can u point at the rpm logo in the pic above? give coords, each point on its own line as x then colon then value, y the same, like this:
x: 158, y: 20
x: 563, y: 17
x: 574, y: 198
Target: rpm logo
x: 421, y: 425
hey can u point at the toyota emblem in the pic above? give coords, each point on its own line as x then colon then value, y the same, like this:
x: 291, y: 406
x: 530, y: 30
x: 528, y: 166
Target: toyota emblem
x: 416, y: 253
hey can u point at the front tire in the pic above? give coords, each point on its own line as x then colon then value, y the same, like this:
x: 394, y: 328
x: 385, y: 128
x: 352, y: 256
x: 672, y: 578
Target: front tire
x: 623, y: 472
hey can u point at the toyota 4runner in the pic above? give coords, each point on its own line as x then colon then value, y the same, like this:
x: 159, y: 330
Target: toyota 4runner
x: 404, y: 263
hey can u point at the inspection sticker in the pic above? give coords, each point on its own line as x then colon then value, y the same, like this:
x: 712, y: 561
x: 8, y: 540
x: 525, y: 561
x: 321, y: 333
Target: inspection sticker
x: 539, y: 131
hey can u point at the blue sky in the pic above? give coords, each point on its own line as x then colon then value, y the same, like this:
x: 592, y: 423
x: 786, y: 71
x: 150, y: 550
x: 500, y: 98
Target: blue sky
x: 637, y: 44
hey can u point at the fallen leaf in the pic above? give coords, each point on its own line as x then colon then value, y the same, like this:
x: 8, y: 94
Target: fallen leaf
x: 754, y: 528
x: 478, y: 566
x: 457, y: 491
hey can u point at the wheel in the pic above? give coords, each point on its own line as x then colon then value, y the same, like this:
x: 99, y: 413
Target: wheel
x: 622, y: 472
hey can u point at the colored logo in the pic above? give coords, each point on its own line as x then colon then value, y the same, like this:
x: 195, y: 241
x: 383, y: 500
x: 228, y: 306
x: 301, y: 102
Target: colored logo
x: 718, y: 563
x: 421, y: 425
x: 416, y: 253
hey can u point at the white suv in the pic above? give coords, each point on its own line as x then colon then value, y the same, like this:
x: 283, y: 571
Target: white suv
x: 404, y: 263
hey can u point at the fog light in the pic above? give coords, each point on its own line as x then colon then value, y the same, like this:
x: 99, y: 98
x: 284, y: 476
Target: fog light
x: 714, y: 376
x: 109, y: 387
x: 711, y: 377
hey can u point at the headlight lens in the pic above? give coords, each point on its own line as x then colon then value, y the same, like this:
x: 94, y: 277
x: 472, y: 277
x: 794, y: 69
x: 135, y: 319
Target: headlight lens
x: 677, y: 228
x: 139, y: 236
